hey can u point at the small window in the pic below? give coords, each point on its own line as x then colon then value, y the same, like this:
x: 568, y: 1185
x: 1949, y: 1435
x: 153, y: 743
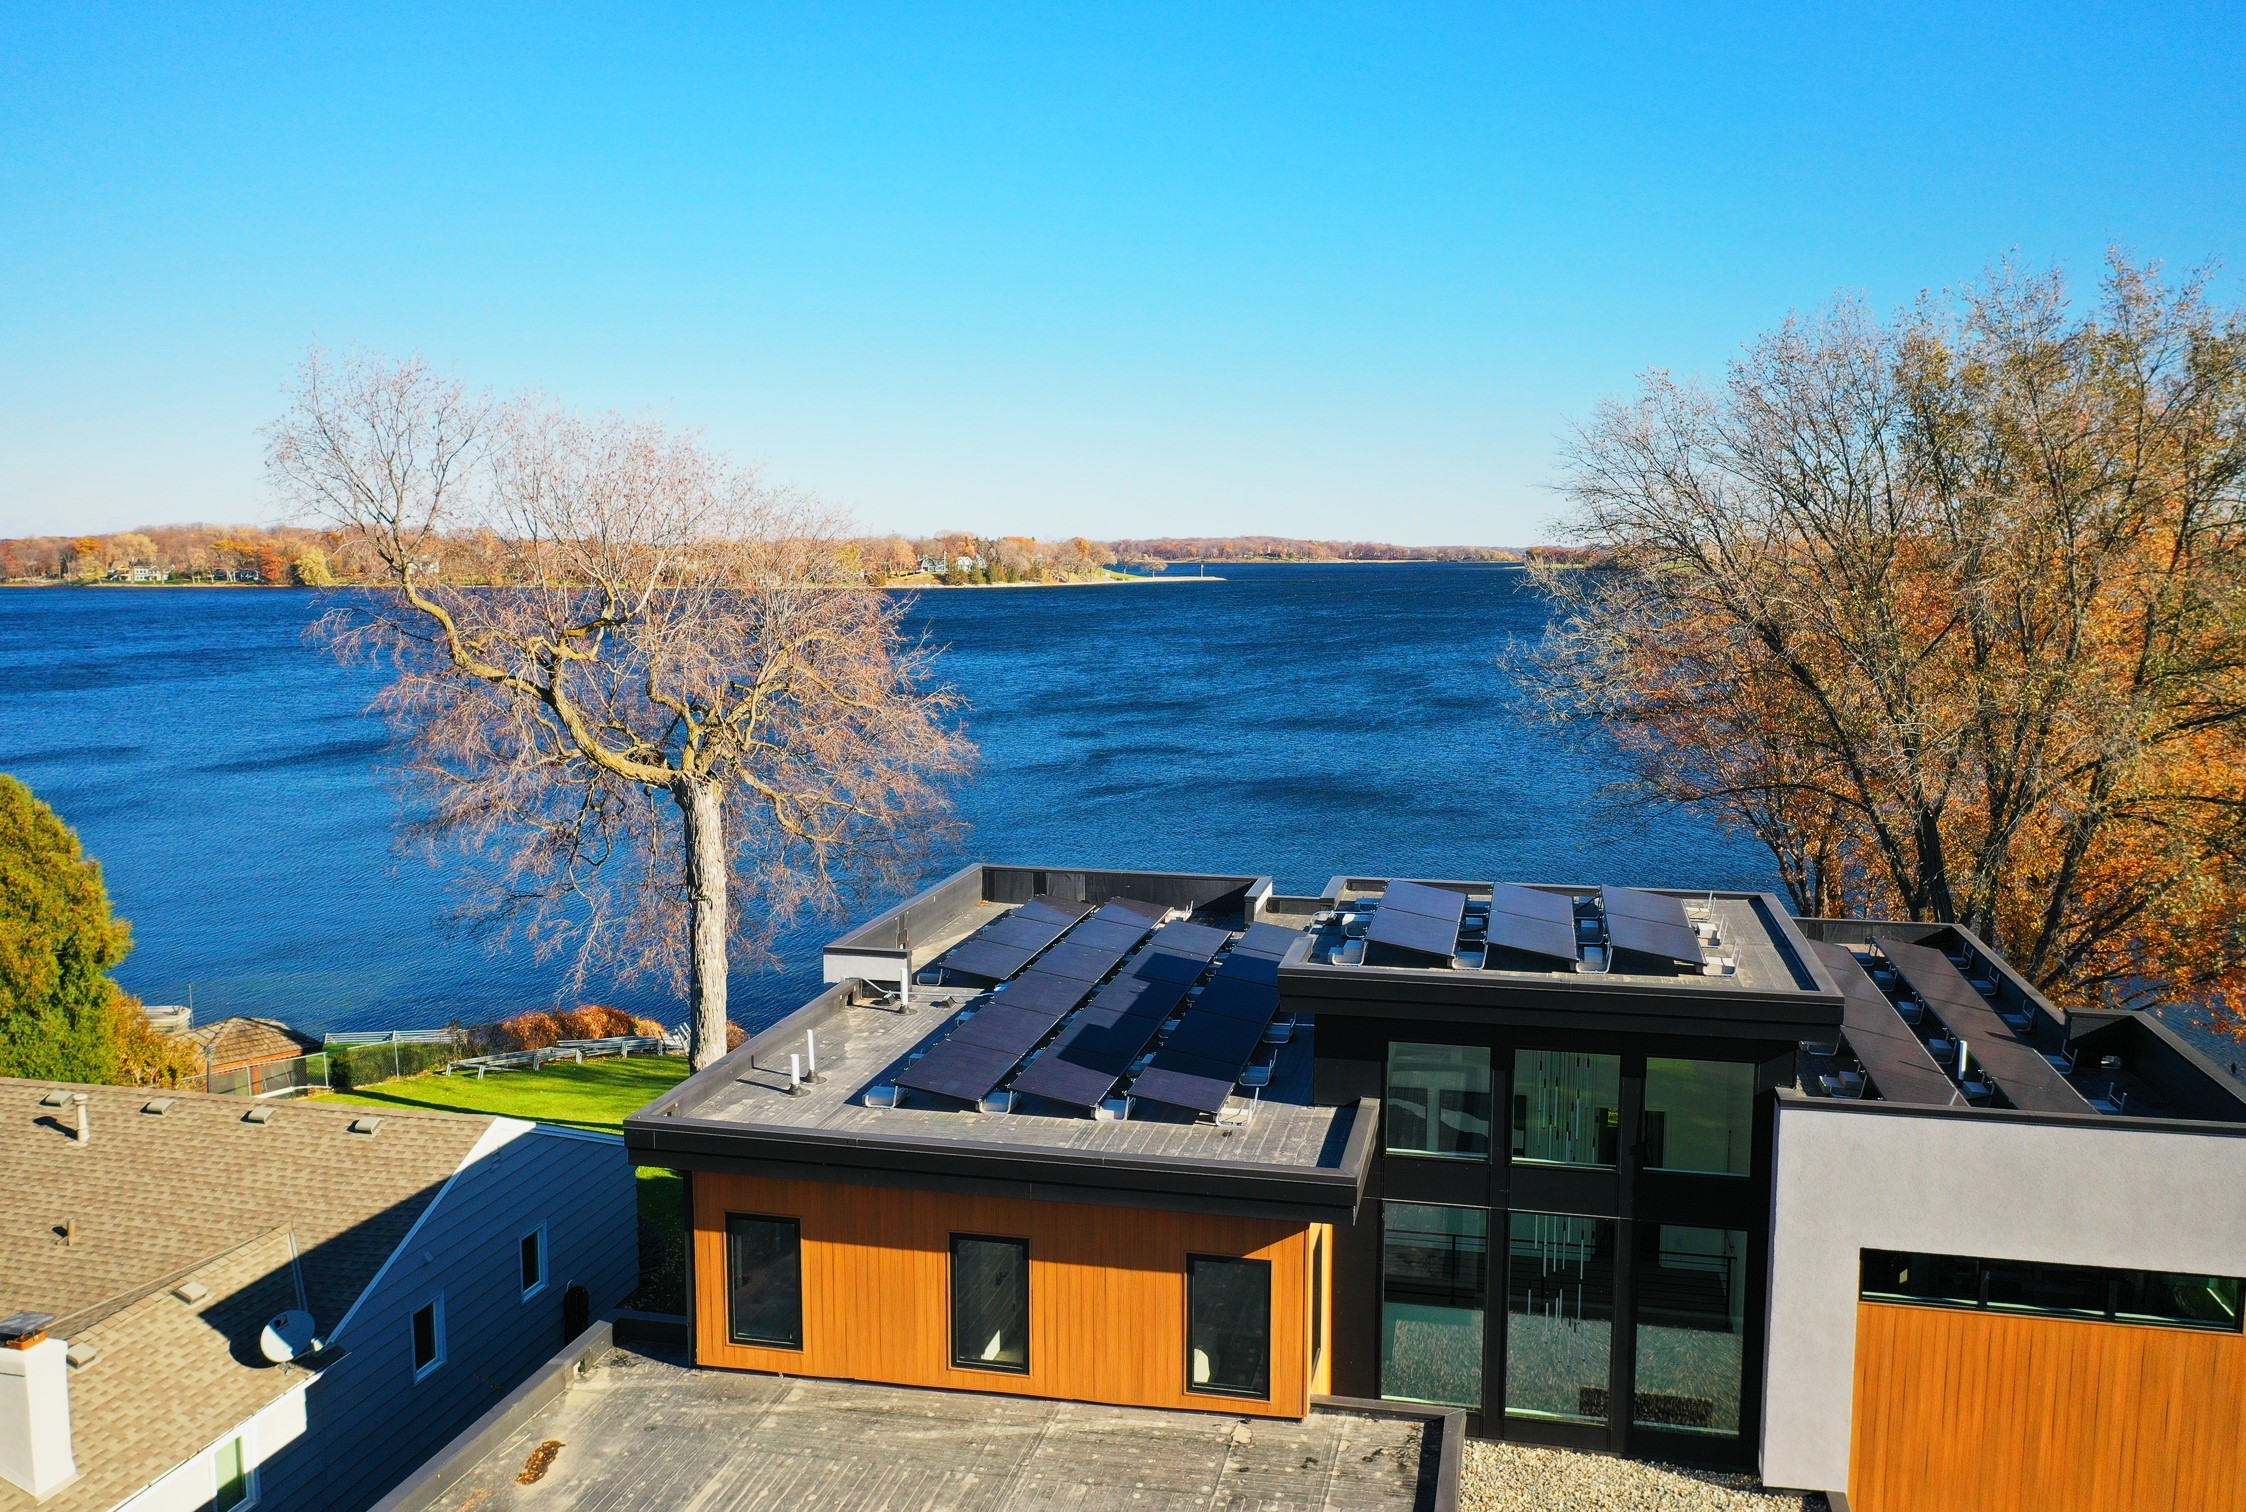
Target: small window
x: 1228, y: 1326
x: 990, y: 1303
x: 764, y: 1280
x: 237, y: 1482
x: 2054, y: 1291
x: 428, y: 1337
x: 534, y: 1261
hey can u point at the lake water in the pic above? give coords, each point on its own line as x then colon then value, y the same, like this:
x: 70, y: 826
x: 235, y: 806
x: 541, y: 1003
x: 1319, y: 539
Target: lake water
x: 1292, y: 720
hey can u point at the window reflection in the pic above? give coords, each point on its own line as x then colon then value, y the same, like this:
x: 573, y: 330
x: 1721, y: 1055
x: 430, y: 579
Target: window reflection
x: 1559, y: 1339
x: 1699, y: 1116
x: 1692, y: 1320
x: 1566, y: 1107
x: 1439, y: 1100
x: 1433, y: 1264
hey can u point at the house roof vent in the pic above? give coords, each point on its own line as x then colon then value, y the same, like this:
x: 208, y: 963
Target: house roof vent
x: 261, y: 1114
x: 366, y: 1125
x: 191, y: 1292
x: 159, y: 1106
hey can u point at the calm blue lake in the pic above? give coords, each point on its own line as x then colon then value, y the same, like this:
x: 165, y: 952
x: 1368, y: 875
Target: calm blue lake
x: 1294, y: 720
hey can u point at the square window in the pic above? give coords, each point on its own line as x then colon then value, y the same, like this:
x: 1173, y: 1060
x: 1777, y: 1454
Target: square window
x: 764, y: 1280
x: 533, y: 1260
x: 1439, y: 1100
x: 1700, y: 1116
x: 1228, y: 1326
x: 990, y: 1304
x: 428, y: 1337
x: 1567, y: 1108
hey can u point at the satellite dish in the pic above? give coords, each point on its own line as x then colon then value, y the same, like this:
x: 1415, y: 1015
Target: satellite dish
x: 287, y: 1336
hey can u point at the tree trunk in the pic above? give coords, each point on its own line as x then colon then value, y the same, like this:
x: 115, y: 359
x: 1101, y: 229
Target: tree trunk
x: 698, y: 801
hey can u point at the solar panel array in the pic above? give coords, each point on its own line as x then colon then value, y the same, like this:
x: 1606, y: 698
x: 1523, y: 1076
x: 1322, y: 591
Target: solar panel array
x: 2027, y: 1080
x: 1650, y: 924
x: 1417, y: 918
x: 1531, y: 922
x: 1084, y: 1063
x: 1011, y: 1019
x: 1200, y: 1063
x: 1004, y: 946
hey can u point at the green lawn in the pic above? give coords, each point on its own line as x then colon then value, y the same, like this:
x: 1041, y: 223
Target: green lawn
x: 595, y: 1095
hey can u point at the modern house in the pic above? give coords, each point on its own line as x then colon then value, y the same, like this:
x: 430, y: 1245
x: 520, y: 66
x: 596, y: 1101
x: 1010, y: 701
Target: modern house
x: 213, y: 1302
x: 1661, y: 1173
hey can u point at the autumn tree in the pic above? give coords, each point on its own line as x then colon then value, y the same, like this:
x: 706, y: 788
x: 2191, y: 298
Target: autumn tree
x: 1949, y: 611
x: 673, y: 630
x: 62, y: 1016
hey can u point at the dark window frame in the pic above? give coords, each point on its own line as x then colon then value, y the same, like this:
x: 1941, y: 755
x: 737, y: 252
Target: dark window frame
x: 960, y: 1360
x: 1235, y: 1393
x: 733, y: 1333
x: 1317, y: 1298
x: 434, y: 1311
x: 2117, y: 1279
x: 531, y: 1249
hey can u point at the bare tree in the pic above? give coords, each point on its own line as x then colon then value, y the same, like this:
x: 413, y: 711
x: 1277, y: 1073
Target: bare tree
x: 589, y: 616
x: 1950, y: 612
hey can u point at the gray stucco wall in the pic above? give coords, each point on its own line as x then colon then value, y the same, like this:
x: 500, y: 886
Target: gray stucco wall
x: 369, y: 1421
x: 1854, y: 1176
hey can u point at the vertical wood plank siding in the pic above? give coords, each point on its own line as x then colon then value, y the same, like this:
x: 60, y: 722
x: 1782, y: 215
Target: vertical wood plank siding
x: 1985, y: 1412
x: 1106, y: 1292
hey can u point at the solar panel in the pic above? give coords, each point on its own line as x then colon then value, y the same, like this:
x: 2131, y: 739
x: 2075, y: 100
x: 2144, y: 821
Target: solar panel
x: 1179, y: 952
x: 2025, y: 1078
x: 1131, y: 911
x: 1198, y: 1085
x: 1422, y: 920
x: 1013, y: 1030
x: 1064, y: 1081
x: 955, y: 1069
x: 1035, y: 934
x: 1221, y: 1041
x: 1041, y: 991
x: 1140, y: 996
x: 1234, y: 997
x: 1252, y: 968
x: 1532, y: 903
x: 1113, y: 933
x: 1649, y: 924
x: 1085, y: 962
x: 986, y: 959
x: 1266, y: 940
x: 1052, y: 912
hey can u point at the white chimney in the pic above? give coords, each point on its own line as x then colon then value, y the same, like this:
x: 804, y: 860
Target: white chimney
x: 34, y: 1411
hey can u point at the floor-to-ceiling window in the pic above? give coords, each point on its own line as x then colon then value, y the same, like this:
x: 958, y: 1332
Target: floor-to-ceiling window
x: 1559, y: 1316
x: 1692, y: 1324
x: 1434, y: 1264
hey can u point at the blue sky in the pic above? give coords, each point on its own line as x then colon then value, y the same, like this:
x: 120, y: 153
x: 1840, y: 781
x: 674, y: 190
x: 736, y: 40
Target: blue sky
x: 1313, y: 270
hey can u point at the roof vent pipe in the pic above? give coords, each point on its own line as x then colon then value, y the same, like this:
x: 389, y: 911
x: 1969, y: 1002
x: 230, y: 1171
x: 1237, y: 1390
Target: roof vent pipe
x: 34, y: 1407
x: 85, y: 1135
x: 795, y: 1074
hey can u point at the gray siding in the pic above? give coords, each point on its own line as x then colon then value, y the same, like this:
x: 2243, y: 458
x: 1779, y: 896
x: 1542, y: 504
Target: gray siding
x: 370, y: 1422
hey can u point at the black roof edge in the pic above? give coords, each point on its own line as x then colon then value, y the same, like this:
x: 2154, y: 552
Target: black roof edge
x: 705, y: 1144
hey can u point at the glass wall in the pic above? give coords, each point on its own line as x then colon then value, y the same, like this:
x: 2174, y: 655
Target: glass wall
x: 1559, y: 1339
x: 764, y: 1280
x: 989, y: 1303
x: 1567, y: 1108
x: 1228, y: 1326
x: 1699, y: 1116
x: 1434, y: 1261
x: 1692, y: 1328
x: 1439, y: 1100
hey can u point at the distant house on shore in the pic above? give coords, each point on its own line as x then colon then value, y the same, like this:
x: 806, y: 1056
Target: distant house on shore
x: 162, y: 1243
x: 231, y: 1044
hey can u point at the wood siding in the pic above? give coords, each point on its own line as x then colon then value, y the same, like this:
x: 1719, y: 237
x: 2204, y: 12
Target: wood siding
x: 1107, y: 1292
x: 1988, y: 1412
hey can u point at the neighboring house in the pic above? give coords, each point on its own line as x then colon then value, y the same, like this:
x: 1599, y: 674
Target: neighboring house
x: 1660, y: 1173
x: 159, y: 1234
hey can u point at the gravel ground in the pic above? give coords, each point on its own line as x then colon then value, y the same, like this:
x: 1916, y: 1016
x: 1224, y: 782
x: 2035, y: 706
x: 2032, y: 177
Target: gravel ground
x: 1518, y: 1478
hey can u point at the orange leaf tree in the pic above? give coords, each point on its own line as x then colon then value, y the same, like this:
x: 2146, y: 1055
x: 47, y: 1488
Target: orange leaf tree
x: 1949, y: 611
